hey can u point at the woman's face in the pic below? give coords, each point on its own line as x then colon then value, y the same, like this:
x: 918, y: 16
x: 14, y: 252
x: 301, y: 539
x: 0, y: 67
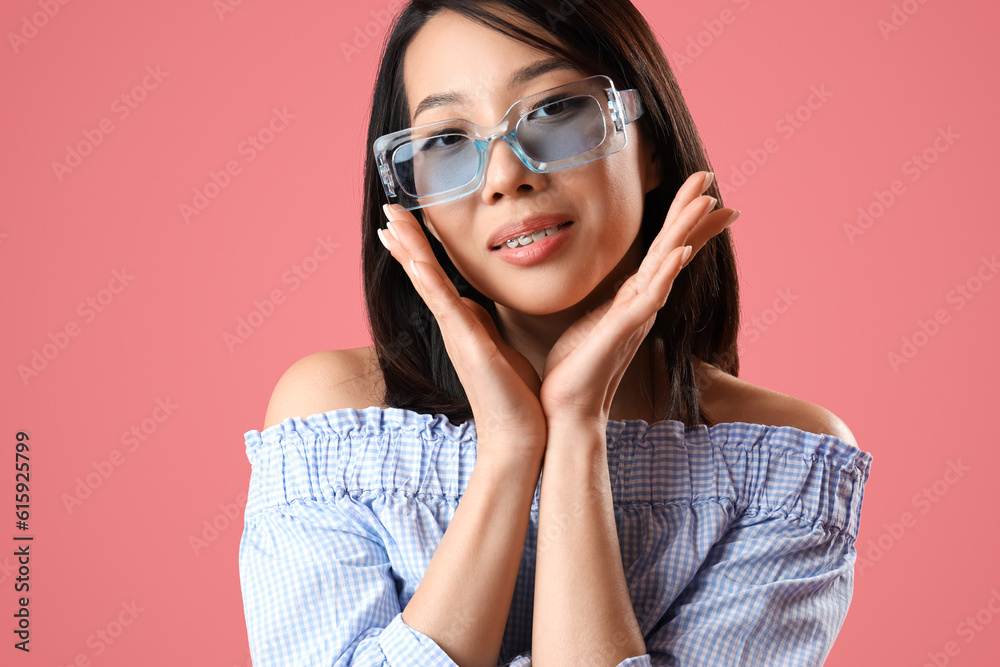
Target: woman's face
x: 603, y: 199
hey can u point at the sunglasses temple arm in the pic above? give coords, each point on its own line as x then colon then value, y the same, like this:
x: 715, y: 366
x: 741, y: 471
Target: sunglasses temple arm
x: 632, y: 103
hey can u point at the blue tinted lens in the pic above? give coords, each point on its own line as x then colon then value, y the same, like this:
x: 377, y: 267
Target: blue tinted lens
x: 436, y: 164
x: 562, y: 129
x: 556, y: 129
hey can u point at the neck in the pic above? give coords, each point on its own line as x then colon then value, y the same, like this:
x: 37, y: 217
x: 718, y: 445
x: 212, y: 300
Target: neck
x: 533, y: 335
x: 640, y: 388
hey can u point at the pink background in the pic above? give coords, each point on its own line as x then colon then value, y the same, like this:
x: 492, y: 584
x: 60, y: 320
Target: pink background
x: 929, y: 534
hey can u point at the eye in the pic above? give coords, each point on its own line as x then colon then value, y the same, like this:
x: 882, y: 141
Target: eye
x: 443, y: 139
x: 548, y: 107
x: 560, y: 107
x: 549, y: 110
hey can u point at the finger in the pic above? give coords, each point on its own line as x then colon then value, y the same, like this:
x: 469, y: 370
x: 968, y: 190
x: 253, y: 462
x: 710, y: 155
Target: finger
x: 469, y: 343
x: 639, y: 310
x: 651, y: 263
x: 462, y: 329
x: 675, y: 235
x: 711, y: 225
x: 694, y: 227
x: 695, y: 185
x: 663, y: 281
x: 648, y: 301
x: 404, y: 227
x: 687, y: 196
x: 658, y: 253
x: 647, y: 290
x: 628, y: 317
x: 407, y: 242
x: 400, y: 254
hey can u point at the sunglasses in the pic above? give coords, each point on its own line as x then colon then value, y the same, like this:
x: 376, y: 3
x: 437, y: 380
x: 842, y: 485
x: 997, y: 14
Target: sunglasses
x: 555, y: 129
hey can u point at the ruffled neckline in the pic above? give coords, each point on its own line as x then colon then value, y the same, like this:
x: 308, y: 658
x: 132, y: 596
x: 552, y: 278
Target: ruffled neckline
x: 629, y: 432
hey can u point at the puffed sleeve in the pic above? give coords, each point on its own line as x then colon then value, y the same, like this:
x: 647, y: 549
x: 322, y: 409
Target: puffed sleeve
x: 773, y: 591
x: 775, y: 588
x: 318, y: 589
x: 304, y: 606
x: 318, y: 585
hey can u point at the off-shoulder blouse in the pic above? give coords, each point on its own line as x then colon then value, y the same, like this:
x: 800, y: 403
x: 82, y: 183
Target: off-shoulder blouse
x: 737, y: 540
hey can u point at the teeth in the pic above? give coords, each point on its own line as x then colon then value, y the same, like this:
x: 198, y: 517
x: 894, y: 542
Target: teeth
x: 528, y: 239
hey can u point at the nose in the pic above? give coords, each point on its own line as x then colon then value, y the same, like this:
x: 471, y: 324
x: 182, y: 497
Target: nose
x: 506, y: 174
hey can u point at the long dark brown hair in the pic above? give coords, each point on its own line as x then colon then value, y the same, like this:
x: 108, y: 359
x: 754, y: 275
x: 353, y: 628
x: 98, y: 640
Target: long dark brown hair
x: 701, y: 315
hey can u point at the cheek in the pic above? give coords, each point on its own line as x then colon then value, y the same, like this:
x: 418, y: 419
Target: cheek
x: 622, y: 200
x: 471, y: 270
x: 456, y: 246
x: 431, y: 228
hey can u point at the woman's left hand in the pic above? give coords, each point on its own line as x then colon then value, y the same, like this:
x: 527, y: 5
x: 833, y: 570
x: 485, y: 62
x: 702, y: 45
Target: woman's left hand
x: 584, y: 367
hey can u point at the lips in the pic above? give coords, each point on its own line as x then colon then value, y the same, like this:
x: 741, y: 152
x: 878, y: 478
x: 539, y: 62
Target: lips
x: 527, y: 225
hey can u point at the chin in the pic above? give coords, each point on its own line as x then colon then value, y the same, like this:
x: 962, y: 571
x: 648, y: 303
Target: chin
x: 546, y: 305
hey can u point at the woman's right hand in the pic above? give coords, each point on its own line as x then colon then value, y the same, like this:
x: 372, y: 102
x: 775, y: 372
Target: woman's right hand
x: 500, y: 383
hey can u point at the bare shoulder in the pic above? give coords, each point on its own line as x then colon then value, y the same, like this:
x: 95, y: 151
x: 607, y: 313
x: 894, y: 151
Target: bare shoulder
x: 783, y: 410
x: 324, y: 381
x: 730, y: 399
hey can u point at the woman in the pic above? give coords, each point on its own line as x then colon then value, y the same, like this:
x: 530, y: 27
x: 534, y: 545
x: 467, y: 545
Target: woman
x: 522, y: 328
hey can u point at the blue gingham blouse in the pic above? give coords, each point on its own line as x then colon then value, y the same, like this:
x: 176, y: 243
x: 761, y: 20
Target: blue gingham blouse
x: 737, y: 540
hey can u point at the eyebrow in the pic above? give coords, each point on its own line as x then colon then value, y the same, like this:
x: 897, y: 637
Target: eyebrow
x: 519, y: 77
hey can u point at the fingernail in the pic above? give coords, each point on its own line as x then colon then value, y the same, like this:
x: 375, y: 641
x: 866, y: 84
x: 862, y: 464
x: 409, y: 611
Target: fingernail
x: 388, y: 226
x: 708, y: 180
x: 413, y: 267
x: 732, y: 218
x: 712, y: 201
x: 385, y: 211
x: 383, y: 240
x: 687, y: 254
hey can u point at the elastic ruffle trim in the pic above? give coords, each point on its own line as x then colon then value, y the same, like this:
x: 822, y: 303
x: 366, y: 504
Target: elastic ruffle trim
x: 756, y: 468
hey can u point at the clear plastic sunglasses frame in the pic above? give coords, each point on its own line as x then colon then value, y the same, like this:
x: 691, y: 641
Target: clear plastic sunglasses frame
x: 620, y: 107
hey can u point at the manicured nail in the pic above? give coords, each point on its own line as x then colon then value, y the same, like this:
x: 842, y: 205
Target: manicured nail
x: 413, y: 267
x: 388, y: 226
x: 708, y: 180
x: 687, y: 254
x: 712, y: 201
x: 731, y: 219
x: 385, y: 211
x: 383, y: 240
